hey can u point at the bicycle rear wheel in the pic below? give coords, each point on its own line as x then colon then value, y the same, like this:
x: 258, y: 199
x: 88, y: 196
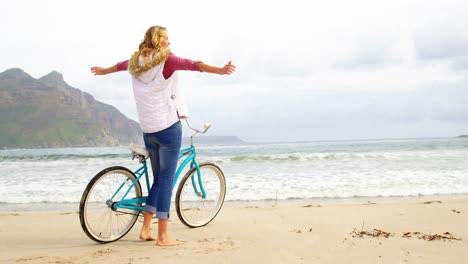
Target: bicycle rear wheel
x: 193, y: 209
x: 98, y: 219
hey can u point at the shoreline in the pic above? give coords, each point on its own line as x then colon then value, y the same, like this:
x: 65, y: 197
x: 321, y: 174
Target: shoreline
x: 46, y: 206
x: 364, y: 231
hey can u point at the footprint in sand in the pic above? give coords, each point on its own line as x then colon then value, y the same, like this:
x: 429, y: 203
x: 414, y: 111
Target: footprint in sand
x: 67, y: 213
x: 103, y: 252
x: 311, y: 205
x: 431, y: 202
x: 10, y: 214
x: 49, y: 259
x: 28, y: 259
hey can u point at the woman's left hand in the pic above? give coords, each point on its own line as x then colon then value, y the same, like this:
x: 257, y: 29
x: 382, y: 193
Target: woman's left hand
x: 228, y: 69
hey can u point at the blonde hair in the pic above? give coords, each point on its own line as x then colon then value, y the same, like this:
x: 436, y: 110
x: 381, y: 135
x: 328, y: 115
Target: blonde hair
x: 150, y: 51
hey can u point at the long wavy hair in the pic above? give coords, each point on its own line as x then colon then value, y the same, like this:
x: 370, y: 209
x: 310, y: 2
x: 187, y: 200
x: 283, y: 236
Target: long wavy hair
x: 150, y: 52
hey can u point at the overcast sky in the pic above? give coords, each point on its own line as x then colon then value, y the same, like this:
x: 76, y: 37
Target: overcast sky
x: 306, y: 70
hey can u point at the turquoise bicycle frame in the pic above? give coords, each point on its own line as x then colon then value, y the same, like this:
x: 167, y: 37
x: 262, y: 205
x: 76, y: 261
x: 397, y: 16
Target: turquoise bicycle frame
x: 132, y: 203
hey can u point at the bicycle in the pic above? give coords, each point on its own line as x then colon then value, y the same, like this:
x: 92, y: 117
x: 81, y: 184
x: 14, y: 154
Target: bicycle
x: 113, y: 200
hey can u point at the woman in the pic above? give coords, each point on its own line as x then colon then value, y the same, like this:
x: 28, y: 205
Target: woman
x: 160, y: 105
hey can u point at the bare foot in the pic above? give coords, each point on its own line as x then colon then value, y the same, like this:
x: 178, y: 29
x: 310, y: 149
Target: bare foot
x: 167, y: 242
x: 146, y: 235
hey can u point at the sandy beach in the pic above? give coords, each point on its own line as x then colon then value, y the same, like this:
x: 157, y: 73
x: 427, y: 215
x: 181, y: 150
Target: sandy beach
x: 373, y: 231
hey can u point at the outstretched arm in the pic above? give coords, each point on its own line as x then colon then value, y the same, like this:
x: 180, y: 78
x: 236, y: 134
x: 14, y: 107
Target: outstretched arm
x: 121, y: 66
x: 227, y: 69
x: 96, y: 70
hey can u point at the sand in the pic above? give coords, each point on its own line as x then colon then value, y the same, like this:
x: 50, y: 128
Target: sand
x: 375, y: 231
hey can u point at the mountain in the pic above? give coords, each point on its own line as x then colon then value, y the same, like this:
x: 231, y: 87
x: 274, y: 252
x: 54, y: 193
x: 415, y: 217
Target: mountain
x: 47, y: 112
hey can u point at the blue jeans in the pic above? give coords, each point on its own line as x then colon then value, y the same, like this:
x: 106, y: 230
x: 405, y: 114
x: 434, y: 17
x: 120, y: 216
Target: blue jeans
x: 163, y: 147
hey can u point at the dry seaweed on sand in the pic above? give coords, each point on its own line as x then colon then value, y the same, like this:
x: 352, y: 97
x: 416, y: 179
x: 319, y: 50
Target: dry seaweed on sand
x: 374, y: 233
x: 428, y: 237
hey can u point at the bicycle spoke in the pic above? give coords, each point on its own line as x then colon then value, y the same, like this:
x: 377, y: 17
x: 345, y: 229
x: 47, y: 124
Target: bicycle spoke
x: 194, y: 210
x: 99, y: 221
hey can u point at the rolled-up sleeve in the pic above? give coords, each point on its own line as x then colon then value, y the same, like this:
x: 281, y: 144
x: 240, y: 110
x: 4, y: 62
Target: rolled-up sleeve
x: 122, y: 66
x: 174, y: 63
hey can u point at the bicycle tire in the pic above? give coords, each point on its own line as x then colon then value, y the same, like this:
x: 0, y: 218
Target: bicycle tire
x: 194, y: 210
x: 99, y: 221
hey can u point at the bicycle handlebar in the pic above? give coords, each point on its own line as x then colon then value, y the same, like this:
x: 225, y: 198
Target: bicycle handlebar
x: 206, y: 126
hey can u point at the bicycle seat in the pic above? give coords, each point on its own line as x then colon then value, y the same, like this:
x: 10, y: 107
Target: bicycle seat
x: 141, y: 150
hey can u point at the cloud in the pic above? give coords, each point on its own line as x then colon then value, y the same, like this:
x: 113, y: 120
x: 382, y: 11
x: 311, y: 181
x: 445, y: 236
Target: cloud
x: 369, y: 52
x: 338, y: 70
x: 443, y: 41
x: 461, y: 63
x: 317, y: 114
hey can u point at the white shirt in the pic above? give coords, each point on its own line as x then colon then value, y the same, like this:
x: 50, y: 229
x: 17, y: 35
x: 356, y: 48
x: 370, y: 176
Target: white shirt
x: 159, y: 101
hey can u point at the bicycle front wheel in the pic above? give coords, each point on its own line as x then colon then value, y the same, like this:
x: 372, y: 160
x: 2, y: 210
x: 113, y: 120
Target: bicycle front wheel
x: 200, y: 196
x: 99, y: 219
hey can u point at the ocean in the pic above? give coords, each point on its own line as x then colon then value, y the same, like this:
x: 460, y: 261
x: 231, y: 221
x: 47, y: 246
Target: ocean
x: 54, y: 179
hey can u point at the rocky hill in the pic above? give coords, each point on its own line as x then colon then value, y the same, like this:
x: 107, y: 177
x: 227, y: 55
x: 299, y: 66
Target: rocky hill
x: 47, y: 112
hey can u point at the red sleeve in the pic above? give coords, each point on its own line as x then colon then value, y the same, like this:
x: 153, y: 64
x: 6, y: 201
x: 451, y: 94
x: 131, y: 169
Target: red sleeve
x: 122, y: 66
x: 174, y: 63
